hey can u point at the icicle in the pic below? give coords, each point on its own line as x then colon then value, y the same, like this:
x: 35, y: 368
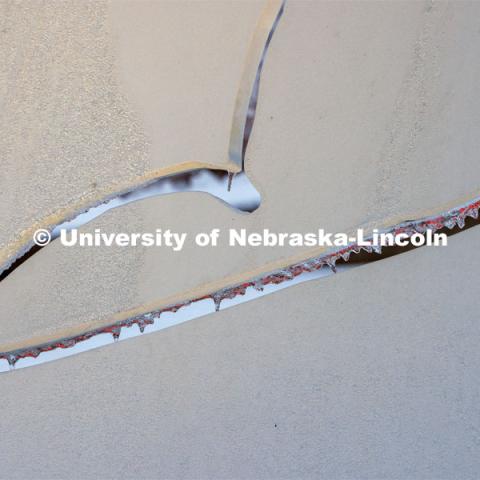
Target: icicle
x: 461, y: 221
x: 450, y: 223
x: 12, y: 360
x: 116, y: 333
x: 230, y: 180
x: 258, y: 285
x: 346, y: 256
x: 34, y: 353
x: 127, y: 323
x: 331, y: 264
x: 217, y: 300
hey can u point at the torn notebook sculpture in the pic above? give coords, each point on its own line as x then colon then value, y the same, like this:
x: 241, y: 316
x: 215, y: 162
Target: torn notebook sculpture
x: 297, y: 116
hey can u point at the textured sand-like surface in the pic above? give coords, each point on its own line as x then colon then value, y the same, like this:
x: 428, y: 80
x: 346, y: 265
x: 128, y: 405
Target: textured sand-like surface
x: 97, y: 98
x: 370, y: 374
x: 367, y: 115
x: 183, y: 63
